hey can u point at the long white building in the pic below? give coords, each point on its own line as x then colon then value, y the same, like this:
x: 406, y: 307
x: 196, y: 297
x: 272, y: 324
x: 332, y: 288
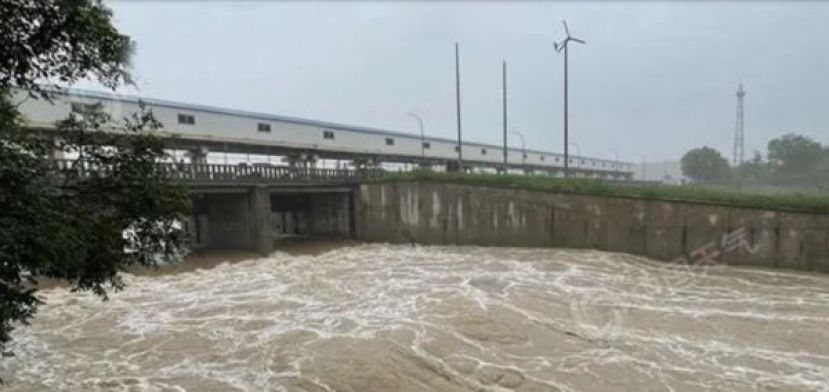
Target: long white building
x: 213, y: 129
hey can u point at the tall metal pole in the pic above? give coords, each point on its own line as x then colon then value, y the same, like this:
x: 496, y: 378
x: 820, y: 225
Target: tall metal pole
x: 458, y: 104
x: 566, y: 143
x: 559, y: 46
x: 504, y: 77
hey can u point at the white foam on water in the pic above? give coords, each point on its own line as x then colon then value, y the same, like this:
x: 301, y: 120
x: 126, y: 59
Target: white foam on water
x: 393, y: 317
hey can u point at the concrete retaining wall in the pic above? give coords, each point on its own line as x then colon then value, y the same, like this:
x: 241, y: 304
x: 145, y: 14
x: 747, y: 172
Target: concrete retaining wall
x: 434, y: 213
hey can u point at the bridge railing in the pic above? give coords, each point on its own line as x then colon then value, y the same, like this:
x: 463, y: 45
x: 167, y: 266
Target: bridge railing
x: 220, y: 173
x: 235, y: 173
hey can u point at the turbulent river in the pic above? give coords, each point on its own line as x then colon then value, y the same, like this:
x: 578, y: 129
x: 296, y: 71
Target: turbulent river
x: 369, y: 317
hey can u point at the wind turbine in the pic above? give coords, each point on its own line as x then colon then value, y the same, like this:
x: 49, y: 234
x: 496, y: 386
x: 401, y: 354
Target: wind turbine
x: 562, y: 46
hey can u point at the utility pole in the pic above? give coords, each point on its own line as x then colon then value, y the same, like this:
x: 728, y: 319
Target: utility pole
x: 559, y: 46
x: 458, y: 104
x: 504, y: 77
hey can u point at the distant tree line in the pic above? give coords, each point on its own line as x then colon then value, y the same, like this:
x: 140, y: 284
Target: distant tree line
x: 791, y: 160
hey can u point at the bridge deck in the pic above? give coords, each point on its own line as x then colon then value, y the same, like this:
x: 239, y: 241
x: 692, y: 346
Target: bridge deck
x: 211, y: 175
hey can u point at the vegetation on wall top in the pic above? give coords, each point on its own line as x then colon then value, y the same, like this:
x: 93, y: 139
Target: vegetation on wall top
x: 800, y: 202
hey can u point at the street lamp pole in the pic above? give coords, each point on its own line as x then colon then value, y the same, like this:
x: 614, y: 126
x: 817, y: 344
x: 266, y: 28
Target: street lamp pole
x: 422, y: 135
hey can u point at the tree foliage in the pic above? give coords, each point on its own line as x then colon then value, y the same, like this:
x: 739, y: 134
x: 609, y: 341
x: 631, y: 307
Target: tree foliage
x: 795, y: 154
x: 60, y: 40
x: 755, y: 170
x: 705, y: 164
x: 81, y: 221
x: 794, y: 162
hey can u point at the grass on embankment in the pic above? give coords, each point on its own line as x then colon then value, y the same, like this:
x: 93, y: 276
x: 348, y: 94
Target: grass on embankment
x: 800, y: 202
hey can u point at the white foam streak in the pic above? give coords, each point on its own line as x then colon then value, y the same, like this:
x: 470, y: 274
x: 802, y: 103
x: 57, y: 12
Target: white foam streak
x: 380, y: 317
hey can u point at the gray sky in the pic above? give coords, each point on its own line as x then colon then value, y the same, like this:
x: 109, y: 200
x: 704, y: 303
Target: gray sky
x: 654, y: 79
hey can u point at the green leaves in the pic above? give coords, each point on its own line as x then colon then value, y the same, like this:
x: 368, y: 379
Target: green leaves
x: 50, y: 41
x: 705, y: 164
x: 795, y: 163
x: 795, y: 158
x: 72, y: 223
x: 109, y: 209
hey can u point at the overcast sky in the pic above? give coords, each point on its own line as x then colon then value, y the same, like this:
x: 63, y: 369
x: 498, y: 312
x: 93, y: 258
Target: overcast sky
x: 654, y: 79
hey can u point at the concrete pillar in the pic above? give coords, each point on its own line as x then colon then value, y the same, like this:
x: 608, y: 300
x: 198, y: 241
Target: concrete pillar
x: 260, y: 220
x: 199, y: 225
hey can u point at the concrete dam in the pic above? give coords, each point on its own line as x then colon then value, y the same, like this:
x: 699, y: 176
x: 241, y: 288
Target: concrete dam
x: 449, y: 214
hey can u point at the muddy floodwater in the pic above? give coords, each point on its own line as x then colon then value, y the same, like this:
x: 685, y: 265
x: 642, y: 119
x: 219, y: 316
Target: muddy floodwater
x: 371, y: 317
